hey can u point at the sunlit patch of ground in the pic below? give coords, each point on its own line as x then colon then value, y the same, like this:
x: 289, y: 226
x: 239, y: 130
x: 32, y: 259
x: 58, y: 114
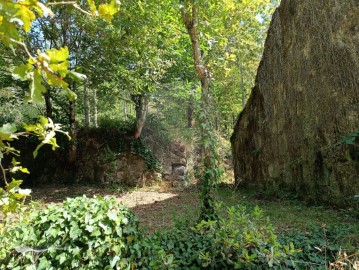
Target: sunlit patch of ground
x: 159, y: 207
x: 155, y: 207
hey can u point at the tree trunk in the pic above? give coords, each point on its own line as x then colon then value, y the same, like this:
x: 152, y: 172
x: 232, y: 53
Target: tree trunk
x: 217, y: 120
x: 125, y: 108
x: 72, y: 123
x: 190, y: 20
x: 87, y: 107
x: 190, y: 109
x: 242, y: 86
x: 48, y: 103
x: 94, y: 92
x: 141, y: 105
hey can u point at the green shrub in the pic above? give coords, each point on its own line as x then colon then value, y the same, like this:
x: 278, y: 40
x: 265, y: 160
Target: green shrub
x: 100, y: 234
x: 320, y: 246
x: 236, y: 240
x: 83, y: 233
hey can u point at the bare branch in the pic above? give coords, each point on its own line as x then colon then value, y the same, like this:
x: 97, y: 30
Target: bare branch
x: 72, y: 3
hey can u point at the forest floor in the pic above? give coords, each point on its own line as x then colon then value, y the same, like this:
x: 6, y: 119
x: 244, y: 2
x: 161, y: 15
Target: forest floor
x: 158, y: 207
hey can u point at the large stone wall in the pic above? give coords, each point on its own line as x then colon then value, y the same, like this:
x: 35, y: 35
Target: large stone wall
x: 305, y: 99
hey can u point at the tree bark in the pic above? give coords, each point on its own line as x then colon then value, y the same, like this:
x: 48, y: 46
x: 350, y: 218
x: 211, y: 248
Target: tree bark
x: 48, y: 104
x: 87, y: 107
x: 190, y: 109
x: 95, y: 113
x: 73, y: 133
x: 141, y: 105
x: 190, y: 20
x: 125, y: 108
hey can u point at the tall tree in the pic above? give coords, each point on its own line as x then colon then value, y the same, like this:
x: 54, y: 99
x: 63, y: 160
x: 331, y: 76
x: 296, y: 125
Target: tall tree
x: 190, y: 17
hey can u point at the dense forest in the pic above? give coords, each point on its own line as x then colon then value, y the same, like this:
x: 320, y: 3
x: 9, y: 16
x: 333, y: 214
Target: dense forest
x: 189, y: 134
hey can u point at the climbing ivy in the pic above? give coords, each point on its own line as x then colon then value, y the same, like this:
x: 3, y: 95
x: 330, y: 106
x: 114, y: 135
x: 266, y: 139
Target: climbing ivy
x: 139, y: 148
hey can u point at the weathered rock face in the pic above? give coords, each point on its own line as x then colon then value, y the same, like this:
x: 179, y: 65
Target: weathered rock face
x: 305, y: 99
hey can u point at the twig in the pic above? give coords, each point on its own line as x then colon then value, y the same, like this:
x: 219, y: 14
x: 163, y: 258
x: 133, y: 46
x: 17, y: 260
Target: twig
x: 3, y: 173
x: 74, y: 4
x: 23, y: 45
x: 345, y: 258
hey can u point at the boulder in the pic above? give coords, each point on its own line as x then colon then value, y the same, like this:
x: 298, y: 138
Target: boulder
x: 306, y: 97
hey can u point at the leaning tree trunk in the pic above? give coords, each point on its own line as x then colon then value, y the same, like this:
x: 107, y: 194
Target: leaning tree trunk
x: 208, y: 179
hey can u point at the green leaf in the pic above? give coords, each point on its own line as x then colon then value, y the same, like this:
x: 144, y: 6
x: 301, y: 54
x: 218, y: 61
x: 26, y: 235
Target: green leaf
x: 70, y: 95
x: 61, y: 258
x: 36, y: 87
x: 57, y: 56
x: 7, y: 132
x: 106, y: 11
x: 22, y: 72
x: 55, y: 80
x: 92, y: 6
x: 78, y: 77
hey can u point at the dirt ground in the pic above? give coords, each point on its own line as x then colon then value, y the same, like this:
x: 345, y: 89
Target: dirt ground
x: 155, y: 207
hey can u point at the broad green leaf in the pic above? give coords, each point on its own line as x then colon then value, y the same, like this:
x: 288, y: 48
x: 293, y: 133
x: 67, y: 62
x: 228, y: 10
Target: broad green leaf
x: 106, y: 11
x: 55, y: 80
x: 70, y: 95
x: 57, y: 56
x: 8, y: 128
x: 22, y: 72
x: 25, y: 15
x: 60, y: 68
x: 36, y: 87
x: 92, y: 6
x: 7, y: 132
x: 43, y: 120
x: 78, y: 77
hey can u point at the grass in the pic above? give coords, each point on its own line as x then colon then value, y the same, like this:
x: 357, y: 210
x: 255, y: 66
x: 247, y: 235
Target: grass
x: 157, y: 207
x: 320, y: 232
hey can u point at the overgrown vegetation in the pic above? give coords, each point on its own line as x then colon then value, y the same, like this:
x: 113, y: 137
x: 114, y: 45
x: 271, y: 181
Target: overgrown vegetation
x: 82, y: 233
x: 148, y: 73
x: 101, y: 234
x: 241, y: 237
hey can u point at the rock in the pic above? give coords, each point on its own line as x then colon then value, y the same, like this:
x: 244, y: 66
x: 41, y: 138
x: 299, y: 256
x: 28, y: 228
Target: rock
x: 179, y: 169
x: 305, y: 98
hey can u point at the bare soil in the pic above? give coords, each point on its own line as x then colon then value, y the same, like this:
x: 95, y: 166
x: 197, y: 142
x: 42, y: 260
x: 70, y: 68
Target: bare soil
x: 155, y: 207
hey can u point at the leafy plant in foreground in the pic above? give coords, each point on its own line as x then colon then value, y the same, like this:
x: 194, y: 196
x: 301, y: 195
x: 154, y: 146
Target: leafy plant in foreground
x: 84, y: 233
x: 320, y: 248
x: 236, y: 240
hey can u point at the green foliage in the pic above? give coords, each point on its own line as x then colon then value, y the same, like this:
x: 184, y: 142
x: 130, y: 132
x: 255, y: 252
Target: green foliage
x: 45, y: 130
x: 83, y: 233
x: 236, y: 240
x: 139, y: 148
x: 319, y: 246
x: 351, y: 143
x: 110, y: 124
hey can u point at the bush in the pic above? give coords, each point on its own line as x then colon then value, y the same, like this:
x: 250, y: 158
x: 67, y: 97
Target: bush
x: 101, y: 234
x: 83, y: 233
x: 320, y: 247
x: 239, y: 240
